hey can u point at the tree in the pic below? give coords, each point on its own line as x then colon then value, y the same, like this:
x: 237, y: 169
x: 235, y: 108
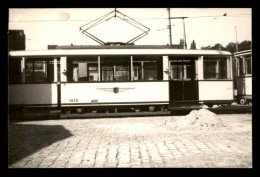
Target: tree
x: 193, y: 45
x: 206, y: 48
x: 245, y: 45
x: 218, y: 46
x: 231, y: 47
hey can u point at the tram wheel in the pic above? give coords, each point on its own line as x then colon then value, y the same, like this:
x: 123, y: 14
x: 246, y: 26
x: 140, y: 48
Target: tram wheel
x: 242, y: 101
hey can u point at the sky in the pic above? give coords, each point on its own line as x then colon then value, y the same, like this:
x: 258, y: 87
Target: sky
x: 61, y: 26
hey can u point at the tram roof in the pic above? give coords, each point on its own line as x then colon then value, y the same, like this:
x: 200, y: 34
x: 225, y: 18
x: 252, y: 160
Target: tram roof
x: 103, y: 50
x: 244, y: 52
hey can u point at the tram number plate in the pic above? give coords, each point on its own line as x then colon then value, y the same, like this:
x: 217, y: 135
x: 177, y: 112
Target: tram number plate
x: 73, y: 100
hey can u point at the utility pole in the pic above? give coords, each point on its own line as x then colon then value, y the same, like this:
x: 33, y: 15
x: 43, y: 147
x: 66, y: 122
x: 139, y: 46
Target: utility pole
x: 184, y: 34
x: 185, y: 43
x: 169, y: 26
x: 236, y: 39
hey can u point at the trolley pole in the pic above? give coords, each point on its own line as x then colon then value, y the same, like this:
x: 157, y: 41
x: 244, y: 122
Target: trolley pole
x: 170, y: 31
x: 236, y: 39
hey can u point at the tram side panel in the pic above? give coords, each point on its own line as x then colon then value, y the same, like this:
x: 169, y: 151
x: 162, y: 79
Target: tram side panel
x: 215, y: 80
x: 73, y: 94
x: 244, y: 87
x: 16, y: 94
x: 31, y: 82
x: 217, y: 91
x: 41, y: 94
x: 32, y: 94
x: 248, y: 85
x: 240, y: 86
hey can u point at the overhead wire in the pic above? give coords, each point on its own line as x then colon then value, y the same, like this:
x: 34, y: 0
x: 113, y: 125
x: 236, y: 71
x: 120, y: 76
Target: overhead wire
x: 234, y: 15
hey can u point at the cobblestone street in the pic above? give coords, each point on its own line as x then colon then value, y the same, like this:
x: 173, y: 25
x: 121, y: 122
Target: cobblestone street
x: 128, y: 142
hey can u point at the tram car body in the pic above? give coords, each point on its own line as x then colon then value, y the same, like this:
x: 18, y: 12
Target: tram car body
x: 116, y: 76
x: 243, y: 61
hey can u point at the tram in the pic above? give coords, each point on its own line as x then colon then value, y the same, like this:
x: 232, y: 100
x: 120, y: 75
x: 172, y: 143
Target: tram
x: 243, y: 60
x: 124, y: 76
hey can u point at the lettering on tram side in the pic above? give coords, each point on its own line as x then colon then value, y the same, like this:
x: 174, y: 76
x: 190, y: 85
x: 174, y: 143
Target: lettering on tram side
x: 73, y: 100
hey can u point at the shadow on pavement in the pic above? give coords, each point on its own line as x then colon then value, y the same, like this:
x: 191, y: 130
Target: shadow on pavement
x: 25, y: 139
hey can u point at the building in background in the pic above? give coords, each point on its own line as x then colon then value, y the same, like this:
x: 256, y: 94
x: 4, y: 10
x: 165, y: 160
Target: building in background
x: 16, y: 40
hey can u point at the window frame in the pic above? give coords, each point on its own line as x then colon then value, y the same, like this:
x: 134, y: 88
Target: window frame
x: 248, y: 58
x: 114, y: 63
x: 181, y: 70
x: 182, y: 66
x: 218, y: 67
x: 142, y: 69
x: 241, y: 65
x: 88, y: 71
x: 124, y: 61
x: 75, y: 60
x: 49, y: 62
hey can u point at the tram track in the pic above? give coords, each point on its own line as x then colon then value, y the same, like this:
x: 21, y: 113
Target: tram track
x: 172, y: 111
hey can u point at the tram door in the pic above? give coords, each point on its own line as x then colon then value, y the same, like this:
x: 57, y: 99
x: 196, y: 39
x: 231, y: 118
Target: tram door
x: 183, y: 83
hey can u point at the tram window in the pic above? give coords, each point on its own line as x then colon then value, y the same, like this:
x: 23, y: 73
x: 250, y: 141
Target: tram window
x: 122, y: 73
x: 210, y: 69
x: 115, y: 70
x: 15, y: 70
x: 82, y: 69
x: 78, y: 71
x: 145, y: 70
x: 137, y: 67
x: 248, y: 64
x: 93, y: 72
x: 241, y: 68
x: 58, y: 70
x: 181, y: 71
x: 222, y: 69
x: 38, y: 71
x: 215, y: 69
x: 176, y: 71
x: 107, y: 73
x: 150, y: 71
x: 189, y: 72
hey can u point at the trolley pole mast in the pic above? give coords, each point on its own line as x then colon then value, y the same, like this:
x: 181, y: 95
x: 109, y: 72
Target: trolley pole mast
x: 236, y: 39
x: 169, y: 26
x: 184, y: 34
x: 185, y: 43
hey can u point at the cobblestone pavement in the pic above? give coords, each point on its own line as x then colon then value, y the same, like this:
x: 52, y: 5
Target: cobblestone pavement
x: 126, y: 142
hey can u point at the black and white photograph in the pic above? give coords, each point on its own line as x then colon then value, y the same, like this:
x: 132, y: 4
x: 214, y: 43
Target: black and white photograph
x: 130, y: 88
